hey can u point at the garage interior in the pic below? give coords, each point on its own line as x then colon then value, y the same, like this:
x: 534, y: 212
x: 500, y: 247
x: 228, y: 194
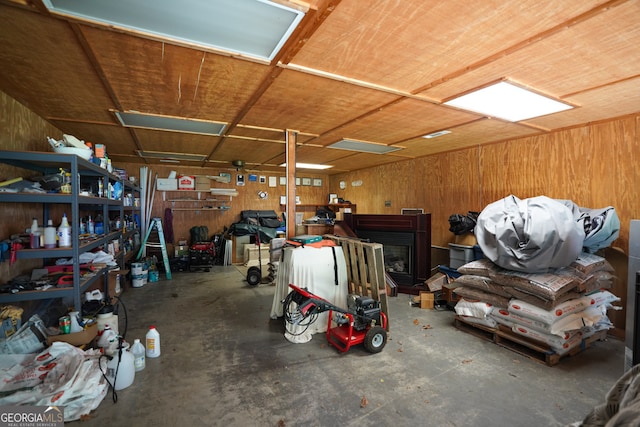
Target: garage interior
x: 381, y: 77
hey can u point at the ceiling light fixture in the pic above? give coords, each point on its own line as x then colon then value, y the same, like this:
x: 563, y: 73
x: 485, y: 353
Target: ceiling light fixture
x: 309, y: 166
x: 166, y: 155
x: 507, y: 101
x: 253, y: 28
x: 363, y: 146
x: 135, y: 119
x: 437, y: 134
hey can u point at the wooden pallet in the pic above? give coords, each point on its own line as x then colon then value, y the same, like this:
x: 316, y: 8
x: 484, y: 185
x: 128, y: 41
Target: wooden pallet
x: 365, y: 269
x: 534, y: 350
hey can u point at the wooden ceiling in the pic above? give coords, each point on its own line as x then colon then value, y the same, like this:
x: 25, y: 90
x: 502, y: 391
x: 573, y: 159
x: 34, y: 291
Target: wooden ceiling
x: 374, y: 70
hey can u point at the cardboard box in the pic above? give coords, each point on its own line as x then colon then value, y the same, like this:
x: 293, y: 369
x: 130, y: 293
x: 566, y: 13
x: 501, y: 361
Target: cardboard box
x: 427, y: 300
x: 448, y: 294
x: 435, y: 282
x: 467, y: 239
x: 99, y: 150
x: 186, y: 182
x: 203, y: 183
x: 116, y: 281
x: 166, y: 184
x: 78, y: 338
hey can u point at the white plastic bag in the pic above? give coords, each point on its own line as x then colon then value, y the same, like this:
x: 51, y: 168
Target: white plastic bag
x: 61, y: 375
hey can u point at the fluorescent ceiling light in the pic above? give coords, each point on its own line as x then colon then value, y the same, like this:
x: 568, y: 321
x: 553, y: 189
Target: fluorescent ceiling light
x: 165, y: 155
x: 254, y: 28
x: 173, y: 124
x: 364, y: 147
x: 309, y: 166
x: 509, y: 102
x: 436, y: 134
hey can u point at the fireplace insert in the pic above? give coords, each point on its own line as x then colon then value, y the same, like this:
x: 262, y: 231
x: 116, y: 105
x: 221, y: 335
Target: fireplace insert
x: 406, y: 241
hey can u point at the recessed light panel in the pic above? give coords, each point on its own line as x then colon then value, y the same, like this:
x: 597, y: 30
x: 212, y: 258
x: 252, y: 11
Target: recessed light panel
x: 437, y: 134
x: 509, y: 102
x: 173, y: 124
x: 309, y: 166
x: 363, y: 147
x: 255, y: 28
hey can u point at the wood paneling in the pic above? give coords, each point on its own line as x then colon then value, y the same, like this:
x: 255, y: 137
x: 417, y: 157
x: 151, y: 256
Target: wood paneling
x: 592, y: 165
x: 20, y: 130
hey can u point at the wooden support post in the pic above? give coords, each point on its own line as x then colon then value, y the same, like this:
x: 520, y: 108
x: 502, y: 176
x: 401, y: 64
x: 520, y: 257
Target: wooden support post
x: 291, y: 141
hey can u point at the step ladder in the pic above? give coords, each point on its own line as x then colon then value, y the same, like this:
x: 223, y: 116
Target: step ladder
x: 157, y: 224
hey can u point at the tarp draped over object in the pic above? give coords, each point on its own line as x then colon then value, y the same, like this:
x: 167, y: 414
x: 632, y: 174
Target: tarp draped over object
x: 530, y: 235
x: 536, y: 234
x: 601, y: 226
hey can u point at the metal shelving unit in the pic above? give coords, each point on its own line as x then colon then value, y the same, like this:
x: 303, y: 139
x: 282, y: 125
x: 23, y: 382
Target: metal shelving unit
x: 51, y: 163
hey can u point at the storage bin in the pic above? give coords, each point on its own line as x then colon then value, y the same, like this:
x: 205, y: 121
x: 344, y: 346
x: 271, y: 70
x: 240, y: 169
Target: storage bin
x: 477, y: 252
x: 460, y: 255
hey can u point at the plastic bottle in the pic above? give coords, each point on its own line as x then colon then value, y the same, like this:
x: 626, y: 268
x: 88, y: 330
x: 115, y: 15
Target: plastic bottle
x: 98, y: 225
x: 138, y: 352
x: 106, y: 317
x: 64, y: 233
x: 34, y: 235
x: 75, y: 323
x: 91, y: 228
x: 153, y: 342
x: 50, y: 235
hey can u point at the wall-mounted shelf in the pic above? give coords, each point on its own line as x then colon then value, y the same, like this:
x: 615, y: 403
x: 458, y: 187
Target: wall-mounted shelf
x: 202, y: 200
x: 333, y: 206
x: 51, y: 163
x: 204, y: 208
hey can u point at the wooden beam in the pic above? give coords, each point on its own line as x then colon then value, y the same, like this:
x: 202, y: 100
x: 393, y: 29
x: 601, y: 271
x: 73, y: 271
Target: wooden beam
x: 290, y: 155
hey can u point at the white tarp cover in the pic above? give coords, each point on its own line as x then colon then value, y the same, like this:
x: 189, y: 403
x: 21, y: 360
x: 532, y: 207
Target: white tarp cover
x: 311, y: 268
x: 530, y: 235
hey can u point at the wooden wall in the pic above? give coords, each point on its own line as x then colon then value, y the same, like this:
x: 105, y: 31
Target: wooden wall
x: 247, y: 199
x: 20, y: 130
x: 595, y: 166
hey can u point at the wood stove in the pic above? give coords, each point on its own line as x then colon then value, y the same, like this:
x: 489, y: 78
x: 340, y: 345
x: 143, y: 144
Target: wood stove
x: 406, y: 241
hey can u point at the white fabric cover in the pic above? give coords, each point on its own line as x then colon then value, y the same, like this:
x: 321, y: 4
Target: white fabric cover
x: 312, y: 269
x: 530, y: 235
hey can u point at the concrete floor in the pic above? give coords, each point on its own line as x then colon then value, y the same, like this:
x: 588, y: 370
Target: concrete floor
x: 224, y: 362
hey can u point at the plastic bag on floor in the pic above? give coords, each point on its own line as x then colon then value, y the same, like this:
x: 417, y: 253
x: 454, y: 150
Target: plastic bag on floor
x: 61, y: 375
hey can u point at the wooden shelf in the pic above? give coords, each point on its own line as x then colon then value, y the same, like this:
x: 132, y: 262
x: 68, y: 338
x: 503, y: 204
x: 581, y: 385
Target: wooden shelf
x: 333, y: 206
x: 216, y: 208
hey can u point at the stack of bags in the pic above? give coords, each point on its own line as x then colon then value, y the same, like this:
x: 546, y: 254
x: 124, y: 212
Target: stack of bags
x: 541, y: 278
x: 560, y: 307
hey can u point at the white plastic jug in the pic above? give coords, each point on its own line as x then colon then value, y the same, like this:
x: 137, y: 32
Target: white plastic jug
x: 120, y: 370
x: 107, y: 318
x: 138, y: 352
x: 153, y: 342
x: 64, y: 233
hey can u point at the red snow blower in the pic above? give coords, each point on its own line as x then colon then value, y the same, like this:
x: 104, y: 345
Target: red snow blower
x: 363, y: 323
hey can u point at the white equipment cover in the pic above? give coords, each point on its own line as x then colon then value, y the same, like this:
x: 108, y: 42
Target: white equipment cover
x: 530, y: 235
x: 312, y: 269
